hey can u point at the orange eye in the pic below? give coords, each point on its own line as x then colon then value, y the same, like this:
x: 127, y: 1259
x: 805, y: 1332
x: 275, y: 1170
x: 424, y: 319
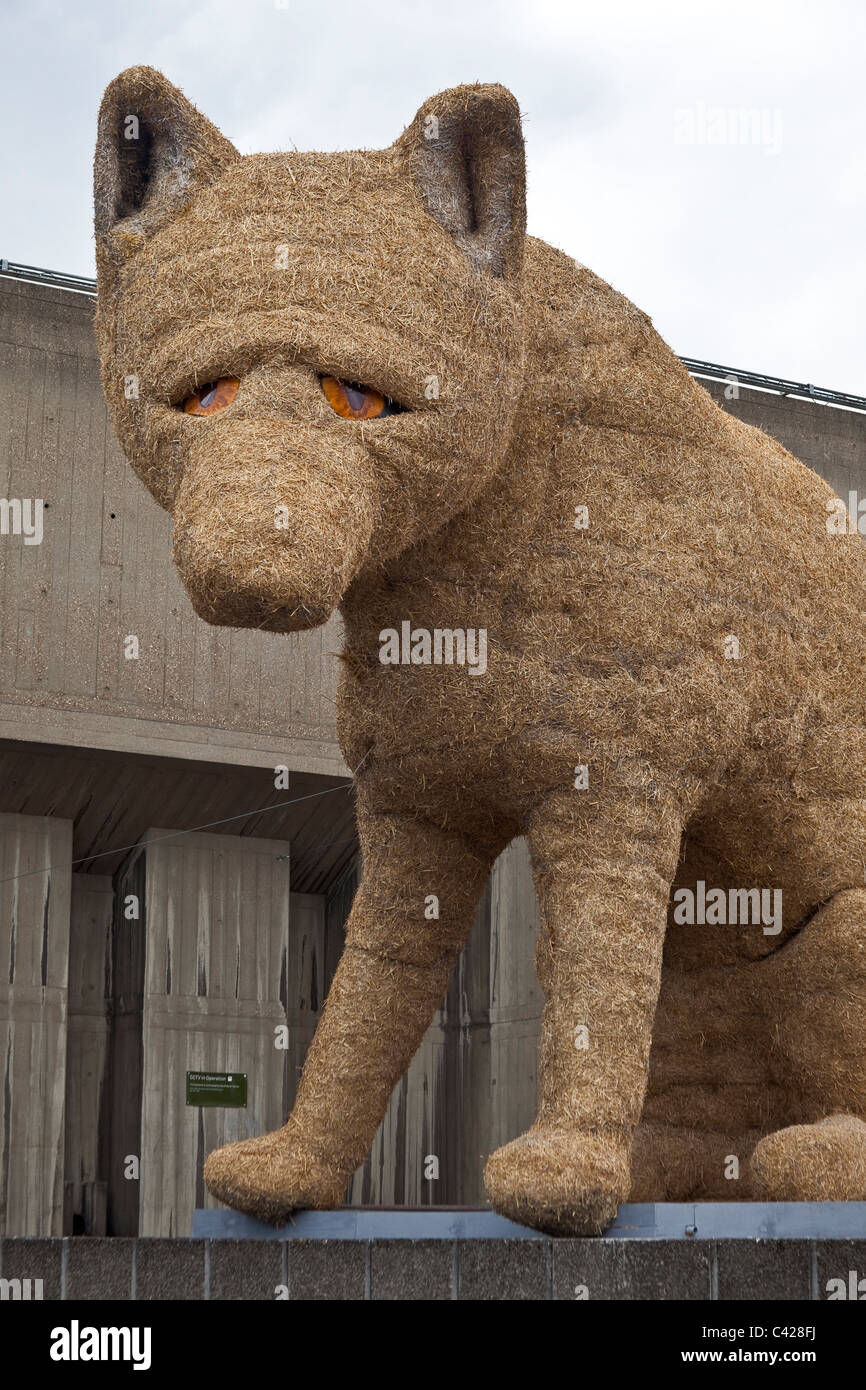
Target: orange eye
x: 355, y: 402
x: 210, y: 399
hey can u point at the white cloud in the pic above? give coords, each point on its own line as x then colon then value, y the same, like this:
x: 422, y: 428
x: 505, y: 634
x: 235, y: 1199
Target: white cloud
x: 742, y: 256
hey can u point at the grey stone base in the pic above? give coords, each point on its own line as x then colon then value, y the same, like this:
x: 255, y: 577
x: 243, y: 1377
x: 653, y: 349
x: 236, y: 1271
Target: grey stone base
x: 534, y: 1268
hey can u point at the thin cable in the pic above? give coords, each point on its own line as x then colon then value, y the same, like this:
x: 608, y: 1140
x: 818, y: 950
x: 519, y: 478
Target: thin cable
x: 191, y: 830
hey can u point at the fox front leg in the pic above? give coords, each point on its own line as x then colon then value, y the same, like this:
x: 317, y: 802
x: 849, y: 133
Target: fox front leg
x: 408, y: 924
x: 603, y: 878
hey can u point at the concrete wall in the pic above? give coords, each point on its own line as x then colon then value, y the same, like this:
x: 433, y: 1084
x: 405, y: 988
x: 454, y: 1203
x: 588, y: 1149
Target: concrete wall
x: 103, y: 571
x: 829, y: 440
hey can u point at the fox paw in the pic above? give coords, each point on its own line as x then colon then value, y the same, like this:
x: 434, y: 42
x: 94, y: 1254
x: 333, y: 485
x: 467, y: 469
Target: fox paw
x: 823, y: 1162
x: 564, y: 1182
x: 272, y: 1176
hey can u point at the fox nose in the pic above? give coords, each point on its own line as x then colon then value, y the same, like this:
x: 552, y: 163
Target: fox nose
x: 227, y: 599
x: 270, y: 528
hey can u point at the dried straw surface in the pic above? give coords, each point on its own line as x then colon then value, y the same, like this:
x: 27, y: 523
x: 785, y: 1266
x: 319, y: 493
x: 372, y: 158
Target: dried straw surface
x: 695, y: 646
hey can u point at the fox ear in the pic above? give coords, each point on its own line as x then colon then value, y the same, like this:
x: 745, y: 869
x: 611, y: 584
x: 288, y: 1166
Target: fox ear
x: 154, y: 152
x: 465, y: 154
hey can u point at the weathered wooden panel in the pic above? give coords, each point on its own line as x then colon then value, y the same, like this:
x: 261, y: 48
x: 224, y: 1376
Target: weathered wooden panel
x: 120, y: 1121
x: 35, y: 854
x: 304, y: 985
x: 215, y: 980
x: 113, y: 798
x: 829, y: 440
x: 87, y: 1037
x: 103, y: 571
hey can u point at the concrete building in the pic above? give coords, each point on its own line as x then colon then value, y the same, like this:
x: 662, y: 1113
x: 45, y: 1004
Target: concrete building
x: 167, y: 904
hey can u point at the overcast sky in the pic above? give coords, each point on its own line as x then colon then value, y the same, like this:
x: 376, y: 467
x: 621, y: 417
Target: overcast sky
x: 748, y: 252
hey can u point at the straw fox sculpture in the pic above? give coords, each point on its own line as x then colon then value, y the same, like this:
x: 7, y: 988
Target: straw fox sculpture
x: 360, y: 384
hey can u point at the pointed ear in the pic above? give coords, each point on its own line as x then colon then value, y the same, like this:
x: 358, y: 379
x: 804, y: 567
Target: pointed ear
x: 464, y: 152
x: 154, y: 152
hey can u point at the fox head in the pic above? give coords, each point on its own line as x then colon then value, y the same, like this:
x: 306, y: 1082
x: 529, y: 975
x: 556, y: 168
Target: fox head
x: 312, y: 361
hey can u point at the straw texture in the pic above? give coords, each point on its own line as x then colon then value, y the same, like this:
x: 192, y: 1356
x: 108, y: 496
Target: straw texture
x: 663, y: 605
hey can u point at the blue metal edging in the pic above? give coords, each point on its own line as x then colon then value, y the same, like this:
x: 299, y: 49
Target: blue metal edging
x: 639, y: 1221
x: 362, y: 1224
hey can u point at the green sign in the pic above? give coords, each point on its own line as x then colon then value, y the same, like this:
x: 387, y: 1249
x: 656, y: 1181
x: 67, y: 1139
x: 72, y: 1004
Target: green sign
x: 216, y: 1088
